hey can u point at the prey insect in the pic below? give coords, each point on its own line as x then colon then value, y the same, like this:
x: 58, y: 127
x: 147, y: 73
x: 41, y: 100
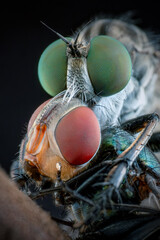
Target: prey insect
x: 88, y: 144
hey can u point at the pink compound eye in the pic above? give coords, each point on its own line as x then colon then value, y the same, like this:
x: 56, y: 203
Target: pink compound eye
x: 78, y: 135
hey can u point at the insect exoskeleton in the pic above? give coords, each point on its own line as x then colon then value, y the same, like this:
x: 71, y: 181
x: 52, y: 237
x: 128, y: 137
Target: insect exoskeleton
x: 61, y: 132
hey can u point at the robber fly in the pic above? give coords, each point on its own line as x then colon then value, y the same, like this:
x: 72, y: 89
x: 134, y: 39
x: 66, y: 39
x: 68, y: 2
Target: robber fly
x: 88, y: 142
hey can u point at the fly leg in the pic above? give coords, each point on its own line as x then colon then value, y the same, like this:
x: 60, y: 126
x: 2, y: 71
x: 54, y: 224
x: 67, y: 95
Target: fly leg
x: 68, y: 190
x: 123, y: 163
x: 149, y: 163
x: 75, y: 207
x: 135, y: 125
x: 126, y: 159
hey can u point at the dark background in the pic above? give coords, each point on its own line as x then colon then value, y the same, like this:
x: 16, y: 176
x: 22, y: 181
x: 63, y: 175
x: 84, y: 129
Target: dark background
x: 22, y: 40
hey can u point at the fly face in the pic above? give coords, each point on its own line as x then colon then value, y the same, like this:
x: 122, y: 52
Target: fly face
x: 105, y: 65
x: 53, y: 137
x: 91, y: 71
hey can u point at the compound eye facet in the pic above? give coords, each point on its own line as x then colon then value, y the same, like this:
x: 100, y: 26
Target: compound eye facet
x: 78, y: 135
x: 109, y: 65
x: 52, y: 67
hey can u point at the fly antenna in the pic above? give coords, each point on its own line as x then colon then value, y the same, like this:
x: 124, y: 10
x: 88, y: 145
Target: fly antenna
x: 81, y: 31
x: 58, y: 34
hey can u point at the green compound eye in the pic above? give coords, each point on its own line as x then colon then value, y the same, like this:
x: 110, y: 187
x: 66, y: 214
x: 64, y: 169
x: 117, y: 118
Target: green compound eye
x: 52, y: 67
x: 109, y: 65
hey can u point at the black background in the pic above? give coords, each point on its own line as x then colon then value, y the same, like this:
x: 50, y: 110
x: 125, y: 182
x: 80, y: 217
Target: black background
x: 22, y: 40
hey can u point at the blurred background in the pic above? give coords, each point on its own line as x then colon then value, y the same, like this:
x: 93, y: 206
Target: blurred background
x: 22, y: 40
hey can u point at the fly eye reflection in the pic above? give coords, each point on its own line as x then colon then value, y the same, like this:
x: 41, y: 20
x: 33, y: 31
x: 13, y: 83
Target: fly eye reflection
x: 108, y: 63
